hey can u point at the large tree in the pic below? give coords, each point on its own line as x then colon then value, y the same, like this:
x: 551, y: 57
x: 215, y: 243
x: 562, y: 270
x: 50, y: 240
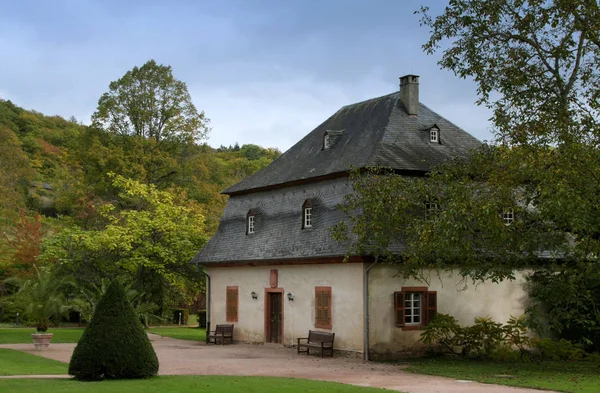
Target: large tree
x: 532, y: 198
x: 149, y: 102
x: 535, y: 63
x: 147, y: 234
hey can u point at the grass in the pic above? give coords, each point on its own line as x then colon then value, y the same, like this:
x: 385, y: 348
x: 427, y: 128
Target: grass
x: 183, y: 333
x: 575, y: 377
x: 23, y: 335
x: 20, y: 363
x: 197, y: 384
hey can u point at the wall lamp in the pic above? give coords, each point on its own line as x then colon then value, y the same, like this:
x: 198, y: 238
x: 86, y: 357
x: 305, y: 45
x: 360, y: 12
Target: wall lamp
x: 254, y: 295
x: 291, y: 296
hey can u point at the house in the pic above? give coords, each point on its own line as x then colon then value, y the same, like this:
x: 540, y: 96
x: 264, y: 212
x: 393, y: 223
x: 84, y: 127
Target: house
x: 274, y: 270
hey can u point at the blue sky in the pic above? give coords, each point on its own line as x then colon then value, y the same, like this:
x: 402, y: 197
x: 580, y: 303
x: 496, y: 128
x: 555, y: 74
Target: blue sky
x: 264, y: 71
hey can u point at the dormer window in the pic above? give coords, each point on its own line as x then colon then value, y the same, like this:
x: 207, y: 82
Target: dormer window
x: 307, y: 214
x: 326, y: 141
x: 250, y: 223
x: 434, y: 135
x: 508, y: 216
x: 431, y: 208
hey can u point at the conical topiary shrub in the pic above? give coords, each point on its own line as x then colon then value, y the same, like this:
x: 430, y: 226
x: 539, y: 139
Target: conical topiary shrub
x: 114, y: 345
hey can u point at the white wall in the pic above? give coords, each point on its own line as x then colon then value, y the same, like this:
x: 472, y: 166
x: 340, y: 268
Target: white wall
x: 345, y: 280
x: 499, y: 301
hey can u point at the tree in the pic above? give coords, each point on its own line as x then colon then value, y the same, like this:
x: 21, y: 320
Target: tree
x: 44, y: 296
x: 24, y: 241
x: 535, y: 63
x: 15, y: 173
x: 148, y: 234
x: 149, y: 102
x: 530, y: 200
x: 114, y: 345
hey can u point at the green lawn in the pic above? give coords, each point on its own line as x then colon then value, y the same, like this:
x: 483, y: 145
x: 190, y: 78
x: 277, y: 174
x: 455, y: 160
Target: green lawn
x: 20, y: 363
x: 197, y: 384
x: 23, y: 335
x: 576, y: 377
x: 183, y: 333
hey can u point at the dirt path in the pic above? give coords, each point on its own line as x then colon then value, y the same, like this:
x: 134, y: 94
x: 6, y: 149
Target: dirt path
x: 180, y: 357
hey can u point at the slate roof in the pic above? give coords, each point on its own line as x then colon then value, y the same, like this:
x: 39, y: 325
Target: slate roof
x: 376, y: 132
x: 278, y: 232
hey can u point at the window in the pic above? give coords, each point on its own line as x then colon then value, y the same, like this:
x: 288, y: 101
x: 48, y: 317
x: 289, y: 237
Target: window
x: 307, y: 217
x: 508, y: 215
x: 326, y: 142
x: 307, y: 214
x: 231, y: 304
x: 323, y: 307
x: 414, y: 307
x: 250, y: 222
x: 431, y: 208
x: 434, y: 135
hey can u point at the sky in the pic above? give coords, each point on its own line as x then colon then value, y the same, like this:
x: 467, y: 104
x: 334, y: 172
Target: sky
x: 265, y: 72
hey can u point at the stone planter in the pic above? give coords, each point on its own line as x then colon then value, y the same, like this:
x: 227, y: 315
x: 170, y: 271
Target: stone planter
x: 41, y: 341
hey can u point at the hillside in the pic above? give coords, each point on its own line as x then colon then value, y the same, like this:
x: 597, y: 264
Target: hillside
x: 58, y: 168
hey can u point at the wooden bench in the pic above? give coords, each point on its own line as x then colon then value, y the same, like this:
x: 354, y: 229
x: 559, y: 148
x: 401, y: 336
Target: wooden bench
x: 222, y: 332
x: 317, y: 340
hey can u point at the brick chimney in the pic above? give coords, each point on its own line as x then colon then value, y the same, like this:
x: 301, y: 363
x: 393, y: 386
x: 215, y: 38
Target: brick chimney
x: 409, y: 94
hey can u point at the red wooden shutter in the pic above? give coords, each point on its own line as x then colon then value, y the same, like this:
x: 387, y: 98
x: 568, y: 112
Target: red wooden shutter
x: 323, y: 307
x: 399, y: 308
x: 431, y: 306
x: 231, y: 304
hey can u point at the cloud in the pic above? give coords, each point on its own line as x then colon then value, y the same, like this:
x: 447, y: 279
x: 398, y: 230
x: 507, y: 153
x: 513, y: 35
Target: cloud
x: 265, y: 72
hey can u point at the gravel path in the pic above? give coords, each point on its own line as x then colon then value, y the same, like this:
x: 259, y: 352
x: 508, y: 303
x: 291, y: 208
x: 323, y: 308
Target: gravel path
x: 181, y: 357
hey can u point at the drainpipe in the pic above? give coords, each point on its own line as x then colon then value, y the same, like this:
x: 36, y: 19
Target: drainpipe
x: 366, y: 305
x: 207, y: 299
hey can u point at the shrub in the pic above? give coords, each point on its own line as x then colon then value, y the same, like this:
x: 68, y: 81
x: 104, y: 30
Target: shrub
x: 484, y: 339
x: 442, y: 330
x: 115, y: 345
x: 558, y: 350
x: 185, y: 315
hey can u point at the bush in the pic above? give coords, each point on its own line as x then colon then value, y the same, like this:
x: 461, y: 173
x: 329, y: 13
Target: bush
x: 484, y: 339
x: 115, y: 345
x: 558, y: 350
x: 185, y: 315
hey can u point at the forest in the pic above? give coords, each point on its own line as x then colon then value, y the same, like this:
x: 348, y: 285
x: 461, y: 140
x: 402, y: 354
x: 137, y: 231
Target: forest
x: 132, y: 196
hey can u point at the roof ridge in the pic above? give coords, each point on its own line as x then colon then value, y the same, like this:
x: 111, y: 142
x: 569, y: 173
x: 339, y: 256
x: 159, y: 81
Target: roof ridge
x: 368, y: 100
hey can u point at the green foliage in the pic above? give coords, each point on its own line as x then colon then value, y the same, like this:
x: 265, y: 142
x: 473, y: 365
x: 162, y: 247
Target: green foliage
x: 115, y: 345
x: 565, y: 302
x: 562, y: 349
x: 58, y: 169
x: 538, y: 57
x: 91, y: 294
x: 44, y: 296
x: 185, y: 314
x: 157, y: 231
x: 149, y: 102
x: 484, y: 339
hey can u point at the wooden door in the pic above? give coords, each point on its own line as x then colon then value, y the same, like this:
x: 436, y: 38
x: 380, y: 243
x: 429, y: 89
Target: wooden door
x: 275, y: 315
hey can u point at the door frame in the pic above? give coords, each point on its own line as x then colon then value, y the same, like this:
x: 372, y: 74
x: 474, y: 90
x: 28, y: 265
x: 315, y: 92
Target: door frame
x: 268, y: 312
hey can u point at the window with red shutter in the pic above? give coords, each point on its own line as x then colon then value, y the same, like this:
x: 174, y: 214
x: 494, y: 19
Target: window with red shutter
x: 399, y: 307
x: 414, y: 307
x: 231, y: 304
x: 323, y: 307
